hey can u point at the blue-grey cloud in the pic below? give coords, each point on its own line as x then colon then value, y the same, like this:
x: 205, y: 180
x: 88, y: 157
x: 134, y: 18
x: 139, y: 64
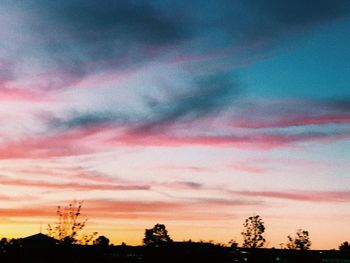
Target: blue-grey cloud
x: 6, y: 71
x: 275, y: 18
x: 207, y: 96
x: 78, y: 36
x: 82, y: 37
x: 89, y: 119
x: 340, y: 104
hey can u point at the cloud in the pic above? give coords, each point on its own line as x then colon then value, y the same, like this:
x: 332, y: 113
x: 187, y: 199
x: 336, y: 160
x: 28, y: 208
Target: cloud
x: 207, y: 96
x: 196, y: 209
x: 70, y: 185
x: 266, y: 165
x: 17, y: 198
x: 307, y: 196
x: 45, y: 146
x: 9, y: 89
x: 23, y: 95
x: 6, y: 71
x: 77, y: 45
x: 260, y: 141
x: 296, y: 120
x: 192, y: 208
x: 249, y: 167
x: 82, y: 42
x: 100, y: 138
x: 87, y: 119
x: 275, y: 18
x: 25, y: 212
x: 190, y: 168
x: 341, y: 105
x: 291, y: 113
x: 77, y: 38
x: 110, y: 20
x: 73, y: 174
x: 195, y: 120
x: 180, y: 185
x: 226, y: 202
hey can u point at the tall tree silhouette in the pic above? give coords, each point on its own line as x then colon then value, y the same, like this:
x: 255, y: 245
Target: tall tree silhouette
x: 69, y: 227
x: 156, y: 236
x: 301, y: 240
x: 253, y: 230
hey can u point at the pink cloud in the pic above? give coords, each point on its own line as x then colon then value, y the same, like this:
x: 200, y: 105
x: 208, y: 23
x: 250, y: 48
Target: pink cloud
x: 154, y: 212
x: 250, y: 167
x: 196, y: 209
x: 69, y: 185
x: 264, y: 165
x: 311, y: 196
x: 47, y: 146
x: 22, y: 94
x: 26, y: 212
x: 199, y: 209
x: 88, y: 178
x: 73, y: 174
x: 180, y: 185
x: 290, y: 121
x: 91, y: 139
x: 256, y: 141
x: 190, y: 168
x: 17, y: 198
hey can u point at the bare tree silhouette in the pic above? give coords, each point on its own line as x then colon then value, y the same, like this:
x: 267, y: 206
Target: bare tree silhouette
x: 69, y: 227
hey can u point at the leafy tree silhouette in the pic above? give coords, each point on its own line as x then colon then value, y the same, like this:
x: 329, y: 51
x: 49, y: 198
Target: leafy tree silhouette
x: 233, y: 244
x: 156, y: 236
x: 253, y: 231
x: 69, y: 227
x: 101, y: 241
x: 301, y: 241
x: 345, y: 246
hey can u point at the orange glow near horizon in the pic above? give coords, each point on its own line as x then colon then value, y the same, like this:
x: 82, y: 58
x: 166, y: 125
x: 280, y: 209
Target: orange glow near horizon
x: 129, y: 228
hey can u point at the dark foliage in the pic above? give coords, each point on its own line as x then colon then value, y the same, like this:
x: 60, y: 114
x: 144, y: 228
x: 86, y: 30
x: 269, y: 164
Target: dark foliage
x: 156, y: 236
x: 345, y: 247
x: 253, y: 231
x: 101, y: 241
x: 301, y: 240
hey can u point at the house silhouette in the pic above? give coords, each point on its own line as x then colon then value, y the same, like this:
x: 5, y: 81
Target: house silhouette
x: 39, y: 240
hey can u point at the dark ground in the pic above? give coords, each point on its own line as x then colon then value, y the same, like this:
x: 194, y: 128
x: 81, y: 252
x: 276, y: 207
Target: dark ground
x: 179, y: 252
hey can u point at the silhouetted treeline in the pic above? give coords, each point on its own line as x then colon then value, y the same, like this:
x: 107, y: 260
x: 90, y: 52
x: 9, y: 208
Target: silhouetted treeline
x: 65, y: 242
x: 179, y: 252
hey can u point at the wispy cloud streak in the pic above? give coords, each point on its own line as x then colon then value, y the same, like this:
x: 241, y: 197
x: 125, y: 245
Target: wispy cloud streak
x: 307, y: 196
x: 69, y: 185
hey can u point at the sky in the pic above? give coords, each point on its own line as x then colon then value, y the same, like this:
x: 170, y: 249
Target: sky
x: 193, y: 114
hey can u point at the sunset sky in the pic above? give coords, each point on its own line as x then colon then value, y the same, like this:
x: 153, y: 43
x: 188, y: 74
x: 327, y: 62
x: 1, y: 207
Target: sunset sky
x: 194, y: 114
